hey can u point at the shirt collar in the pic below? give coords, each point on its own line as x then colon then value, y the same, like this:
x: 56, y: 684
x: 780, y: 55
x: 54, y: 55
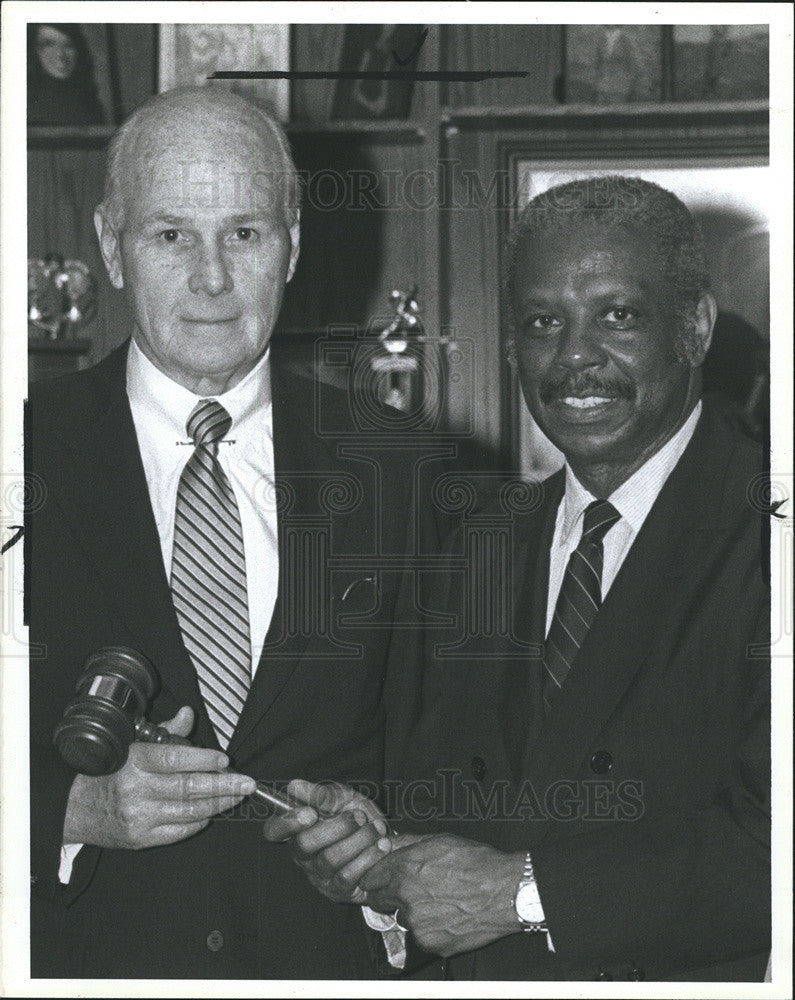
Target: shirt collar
x: 634, y: 498
x: 170, y: 403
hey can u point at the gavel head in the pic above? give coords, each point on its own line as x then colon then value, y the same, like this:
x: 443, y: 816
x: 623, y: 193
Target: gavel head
x: 112, y: 694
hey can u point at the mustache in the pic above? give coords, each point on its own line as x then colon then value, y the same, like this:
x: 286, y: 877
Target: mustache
x: 585, y: 384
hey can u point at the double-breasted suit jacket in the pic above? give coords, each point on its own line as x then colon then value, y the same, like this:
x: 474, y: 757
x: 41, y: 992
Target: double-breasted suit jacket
x: 643, y: 796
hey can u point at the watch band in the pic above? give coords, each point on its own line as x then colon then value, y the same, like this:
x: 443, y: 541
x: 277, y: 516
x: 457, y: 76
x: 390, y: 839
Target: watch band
x: 529, y: 879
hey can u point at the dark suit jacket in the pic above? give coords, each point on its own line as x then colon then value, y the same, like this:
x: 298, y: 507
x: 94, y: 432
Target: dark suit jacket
x: 644, y: 795
x: 224, y: 903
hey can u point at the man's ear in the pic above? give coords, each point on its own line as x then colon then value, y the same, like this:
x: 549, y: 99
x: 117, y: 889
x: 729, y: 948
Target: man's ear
x: 706, y: 314
x: 295, y: 242
x: 110, y: 248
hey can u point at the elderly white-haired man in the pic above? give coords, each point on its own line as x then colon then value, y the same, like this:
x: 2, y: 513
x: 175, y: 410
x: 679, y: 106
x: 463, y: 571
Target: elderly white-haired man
x: 194, y: 505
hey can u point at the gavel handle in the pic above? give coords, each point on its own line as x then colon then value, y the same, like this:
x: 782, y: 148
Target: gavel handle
x: 148, y: 732
x: 278, y: 803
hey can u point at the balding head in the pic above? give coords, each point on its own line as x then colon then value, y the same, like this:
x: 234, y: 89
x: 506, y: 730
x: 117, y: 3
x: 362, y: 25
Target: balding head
x: 176, y: 122
x: 200, y: 228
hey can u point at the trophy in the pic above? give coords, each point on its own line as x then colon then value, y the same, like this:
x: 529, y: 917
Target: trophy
x: 62, y: 297
x: 398, y: 365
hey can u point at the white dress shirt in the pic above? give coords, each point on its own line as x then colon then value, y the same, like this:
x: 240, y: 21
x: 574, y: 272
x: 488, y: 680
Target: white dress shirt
x: 633, y: 500
x: 160, y: 410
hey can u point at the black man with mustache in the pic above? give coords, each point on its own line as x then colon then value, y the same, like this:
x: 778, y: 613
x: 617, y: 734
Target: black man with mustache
x: 599, y: 810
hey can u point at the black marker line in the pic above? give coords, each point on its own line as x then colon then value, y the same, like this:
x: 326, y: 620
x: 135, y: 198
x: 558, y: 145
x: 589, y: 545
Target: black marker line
x: 415, y: 51
x: 12, y: 541
x: 773, y: 509
x: 470, y: 76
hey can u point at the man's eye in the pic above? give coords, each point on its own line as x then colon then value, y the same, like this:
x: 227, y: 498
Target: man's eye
x: 170, y: 235
x: 621, y: 316
x: 542, y: 321
x: 245, y: 234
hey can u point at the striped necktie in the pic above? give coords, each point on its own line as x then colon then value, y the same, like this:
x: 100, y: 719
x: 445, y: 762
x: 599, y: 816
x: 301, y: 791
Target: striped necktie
x: 579, y: 599
x: 208, y: 573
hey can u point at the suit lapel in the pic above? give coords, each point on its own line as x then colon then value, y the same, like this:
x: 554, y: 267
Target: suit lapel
x: 113, y: 517
x: 522, y: 707
x: 664, y: 569
x: 298, y: 451
x: 115, y: 522
x: 537, y: 601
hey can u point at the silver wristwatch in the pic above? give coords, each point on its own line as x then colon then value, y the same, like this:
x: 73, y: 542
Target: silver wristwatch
x: 528, y: 902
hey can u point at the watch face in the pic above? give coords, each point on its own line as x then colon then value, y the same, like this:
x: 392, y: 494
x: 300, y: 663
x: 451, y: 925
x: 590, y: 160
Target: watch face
x: 528, y: 905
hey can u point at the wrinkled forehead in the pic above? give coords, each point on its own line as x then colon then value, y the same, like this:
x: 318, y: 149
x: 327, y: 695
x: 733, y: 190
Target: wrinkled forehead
x: 203, y: 161
x: 593, y: 243
x: 590, y: 260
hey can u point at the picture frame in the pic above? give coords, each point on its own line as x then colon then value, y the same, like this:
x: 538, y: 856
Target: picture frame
x: 118, y: 51
x: 373, y: 48
x: 720, y: 62
x: 714, y: 161
x: 614, y: 64
x: 190, y: 53
x: 609, y: 64
x: 72, y: 77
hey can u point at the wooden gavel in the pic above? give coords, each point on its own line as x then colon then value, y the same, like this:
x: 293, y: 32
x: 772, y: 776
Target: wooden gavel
x: 108, y: 713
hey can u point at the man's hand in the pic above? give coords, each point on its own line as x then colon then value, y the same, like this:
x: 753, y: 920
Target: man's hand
x: 336, y: 837
x: 163, y: 794
x: 453, y: 894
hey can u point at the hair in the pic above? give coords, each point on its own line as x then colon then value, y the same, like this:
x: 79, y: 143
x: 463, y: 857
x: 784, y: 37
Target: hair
x: 73, y: 101
x: 184, y: 99
x: 629, y: 203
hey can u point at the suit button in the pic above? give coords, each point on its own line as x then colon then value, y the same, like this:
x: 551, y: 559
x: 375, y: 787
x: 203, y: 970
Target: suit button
x: 604, y: 977
x: 636, y: 974
x: 215, y: 940
x: 601, y: 762
x: 478, y: 767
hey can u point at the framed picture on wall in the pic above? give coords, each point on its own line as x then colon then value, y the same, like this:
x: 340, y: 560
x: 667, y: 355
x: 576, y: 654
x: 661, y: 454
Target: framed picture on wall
x: 720, y: 171
x: 72, y: 76
x: 372, y: 48
x: 613, y: 63
x: 610, y: 64
x: 190, y: 53
x: 720, y: 62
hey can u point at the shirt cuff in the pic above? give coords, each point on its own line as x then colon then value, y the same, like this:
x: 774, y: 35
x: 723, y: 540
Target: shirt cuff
x: 394, y: 937
x: 68, y: 854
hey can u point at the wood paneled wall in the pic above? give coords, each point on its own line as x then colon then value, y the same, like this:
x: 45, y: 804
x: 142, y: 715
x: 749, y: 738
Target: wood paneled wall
x: 388, y: 204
